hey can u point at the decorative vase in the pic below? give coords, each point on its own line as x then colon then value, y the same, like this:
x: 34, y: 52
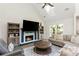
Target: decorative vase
x: 11, y: 47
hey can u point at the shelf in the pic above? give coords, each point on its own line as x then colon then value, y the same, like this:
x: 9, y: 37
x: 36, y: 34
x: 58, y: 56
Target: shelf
x: 13, y: 28
x: 30, y: 41
x: 13, y: 32
x: 13, y: 37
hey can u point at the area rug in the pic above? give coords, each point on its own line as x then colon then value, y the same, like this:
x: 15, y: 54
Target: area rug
x: 30, y: 52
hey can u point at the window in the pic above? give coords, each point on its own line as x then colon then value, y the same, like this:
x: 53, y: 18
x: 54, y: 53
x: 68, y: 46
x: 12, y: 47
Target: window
x: 56, y: 29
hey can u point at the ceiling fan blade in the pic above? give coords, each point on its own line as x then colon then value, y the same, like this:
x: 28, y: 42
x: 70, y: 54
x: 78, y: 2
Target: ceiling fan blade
x: 44, y: 5
x: 50, y: 5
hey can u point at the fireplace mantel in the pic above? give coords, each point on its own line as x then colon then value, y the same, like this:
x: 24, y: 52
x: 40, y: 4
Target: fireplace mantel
x: 28, y: 36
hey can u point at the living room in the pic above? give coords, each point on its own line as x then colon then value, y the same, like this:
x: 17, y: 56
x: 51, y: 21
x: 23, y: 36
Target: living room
x: 26, y: 29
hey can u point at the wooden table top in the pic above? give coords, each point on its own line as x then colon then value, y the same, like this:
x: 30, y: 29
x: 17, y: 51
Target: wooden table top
x: 42, y: 44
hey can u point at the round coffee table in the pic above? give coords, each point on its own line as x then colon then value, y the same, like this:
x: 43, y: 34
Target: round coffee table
x: 42, y: 47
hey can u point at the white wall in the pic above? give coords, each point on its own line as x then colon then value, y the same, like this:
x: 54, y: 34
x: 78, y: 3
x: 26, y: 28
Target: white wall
x: 61, y: 16
x: 68, y: 26
x: 76, y: 14
x: 16, y: 13
x: 77, y: 9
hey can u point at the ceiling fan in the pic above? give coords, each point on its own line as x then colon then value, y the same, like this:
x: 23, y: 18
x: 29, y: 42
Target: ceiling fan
x: 47, y: 4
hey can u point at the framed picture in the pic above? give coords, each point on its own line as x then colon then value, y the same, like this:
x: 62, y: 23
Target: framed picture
x: 42, y: 29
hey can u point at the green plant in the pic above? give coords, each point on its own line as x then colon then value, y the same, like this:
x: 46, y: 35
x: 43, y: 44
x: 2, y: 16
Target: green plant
x: 57, y: 29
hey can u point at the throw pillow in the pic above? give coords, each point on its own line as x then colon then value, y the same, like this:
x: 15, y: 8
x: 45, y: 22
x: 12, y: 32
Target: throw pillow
x: 67, y: 37
x: 75, y: 39
x: 66, y: 52
x: 59, y: 37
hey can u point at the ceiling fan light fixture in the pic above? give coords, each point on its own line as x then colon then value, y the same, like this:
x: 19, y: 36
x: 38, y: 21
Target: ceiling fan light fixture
x: 46, y: 4
x: 47, y: 8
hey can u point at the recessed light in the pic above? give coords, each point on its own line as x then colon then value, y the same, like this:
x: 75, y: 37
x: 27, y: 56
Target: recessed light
x: 66, y: 9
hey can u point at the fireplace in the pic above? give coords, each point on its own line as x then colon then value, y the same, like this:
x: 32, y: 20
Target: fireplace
x: 29, y: 32
x: 29, y: 38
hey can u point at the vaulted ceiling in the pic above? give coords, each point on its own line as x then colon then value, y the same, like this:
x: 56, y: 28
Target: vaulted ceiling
x: 61, y: 10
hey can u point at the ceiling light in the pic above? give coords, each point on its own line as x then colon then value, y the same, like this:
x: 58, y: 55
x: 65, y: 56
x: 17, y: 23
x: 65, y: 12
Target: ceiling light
x: 47, y: 8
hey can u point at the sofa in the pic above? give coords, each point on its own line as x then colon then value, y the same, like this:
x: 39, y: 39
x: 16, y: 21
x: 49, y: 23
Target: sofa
x: 69, y: 44
x: 3, y: 47
x: 5, y: 52
x: 60, y: 40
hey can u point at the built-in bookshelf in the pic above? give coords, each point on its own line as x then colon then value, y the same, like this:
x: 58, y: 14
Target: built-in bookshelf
x: 13, y: 33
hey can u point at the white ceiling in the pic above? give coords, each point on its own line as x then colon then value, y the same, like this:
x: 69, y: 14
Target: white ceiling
x: 61, y: 10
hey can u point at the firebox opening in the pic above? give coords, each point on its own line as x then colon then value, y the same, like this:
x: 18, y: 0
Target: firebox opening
x: 29, y: 38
